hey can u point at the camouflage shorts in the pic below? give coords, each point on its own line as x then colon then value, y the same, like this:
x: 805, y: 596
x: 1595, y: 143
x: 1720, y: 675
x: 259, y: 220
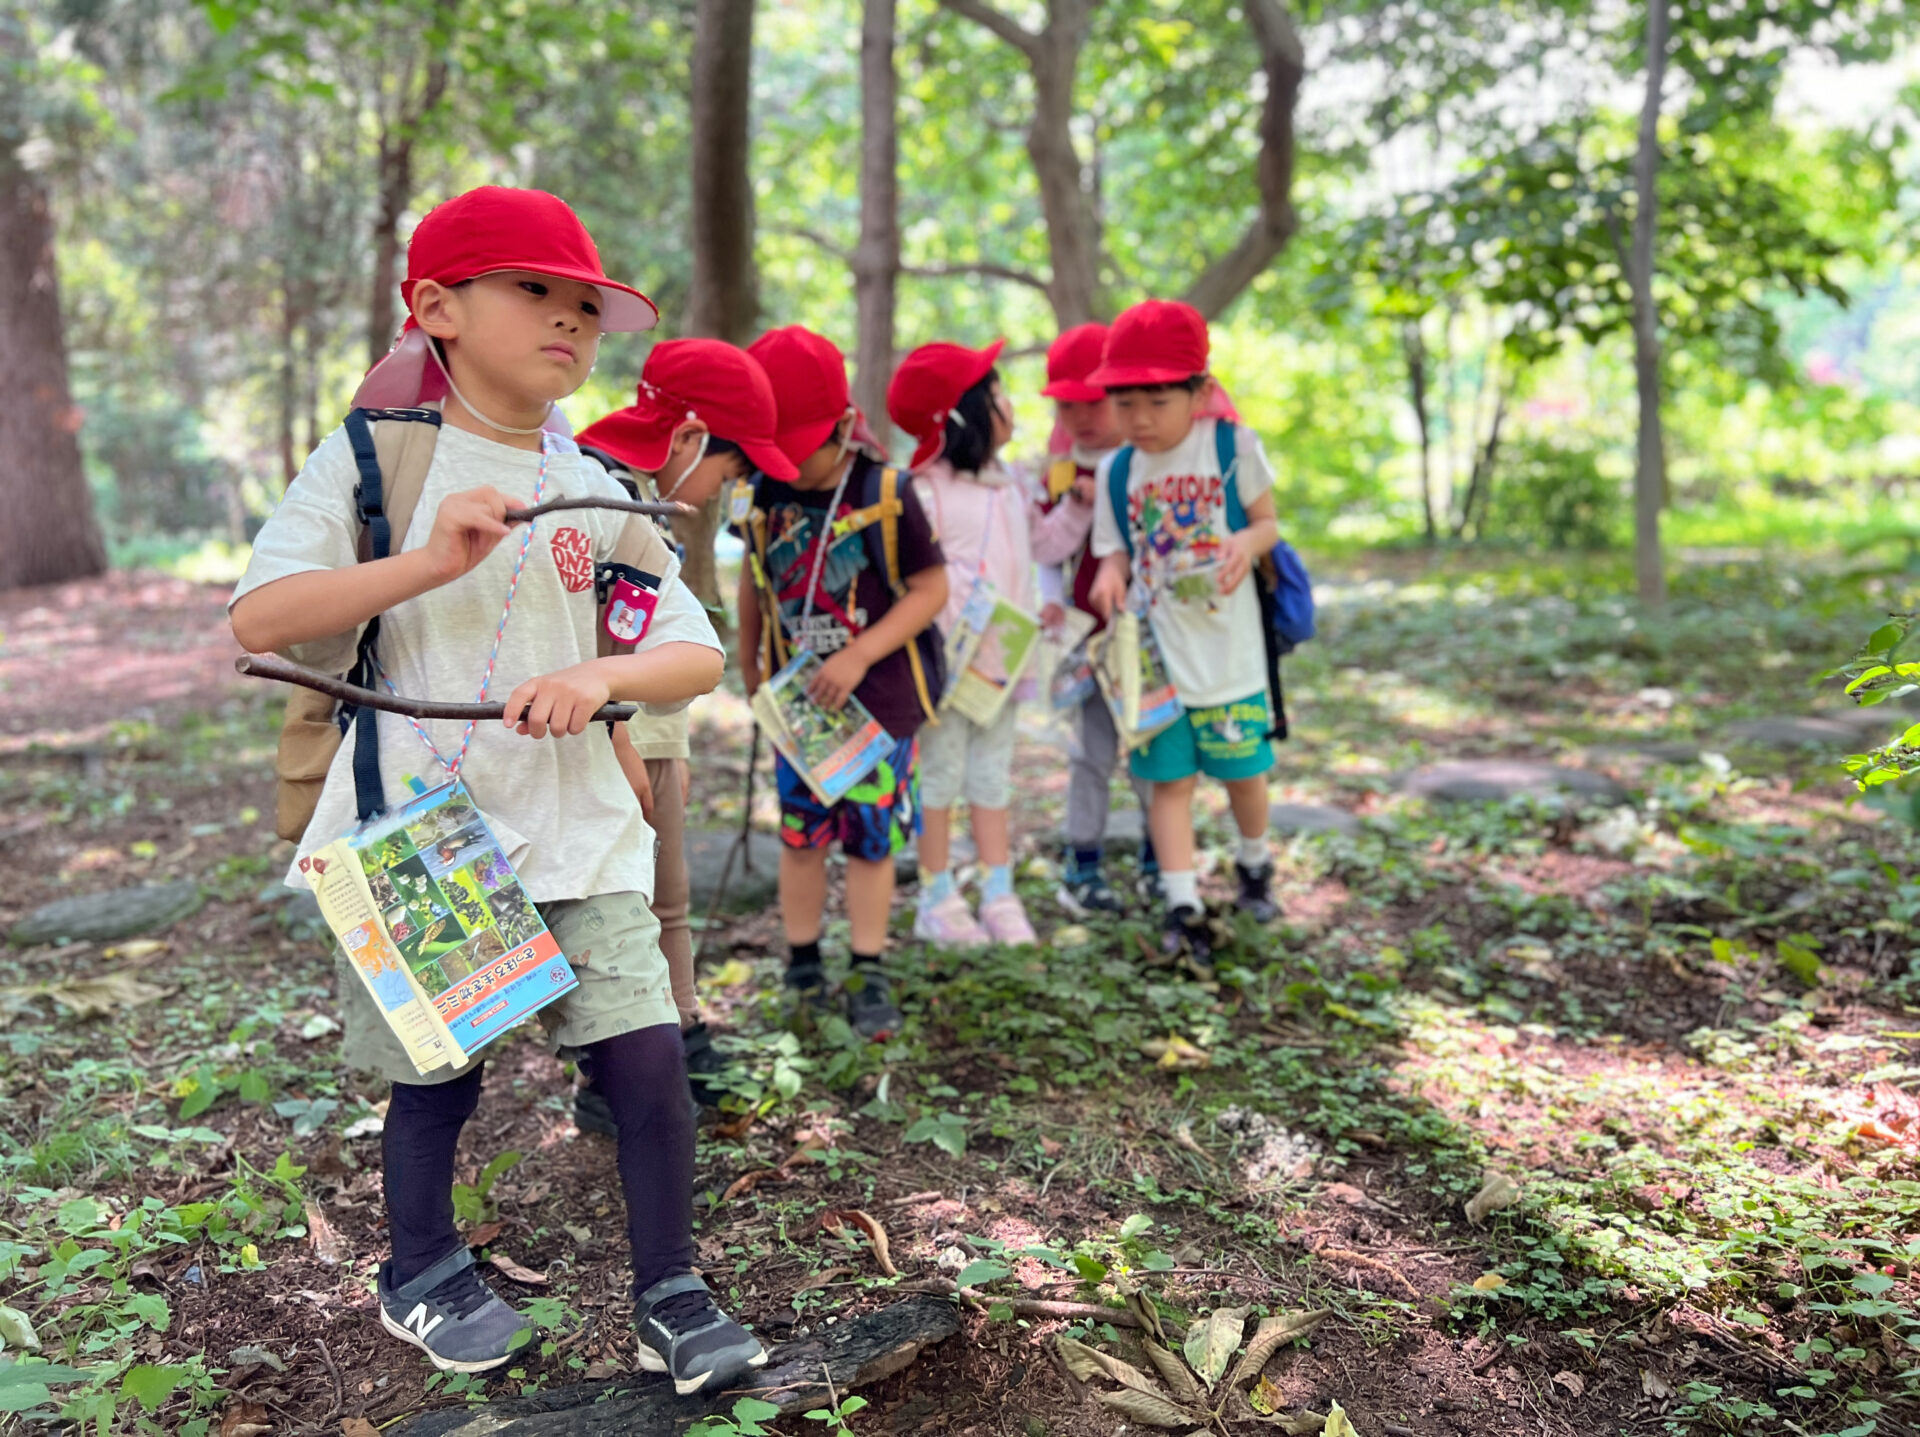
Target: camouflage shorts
x: 613, y: 942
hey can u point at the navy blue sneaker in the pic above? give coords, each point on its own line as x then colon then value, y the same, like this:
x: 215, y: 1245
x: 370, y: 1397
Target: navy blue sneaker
x: 452, y: 1316
x: 684, y: 1334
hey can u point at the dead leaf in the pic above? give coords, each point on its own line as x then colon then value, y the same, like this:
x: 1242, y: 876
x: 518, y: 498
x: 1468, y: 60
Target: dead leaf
x: 518, y: 1273
x: 870, y: 1225
x: 734, y: 973
x: 1655, y: 1386
x: 1174, y: 1373
x: 1499, y: 1191
x: 599, y: 1371
x: 1266, y: 1397
x: 1087, y: 1362
x: 821, y: 1279
x: 1571, y: 1383
x: 357, y: 1427
x: 1352, y: 1196
x: 1270, y: 1334
x: 133, y: 952
x: 1154, y: 1411
x: 1175, y: 1053
x: 1338, y: 1423
x: 328, y: 1245
x: 747, y: 1182
x: 245, y: 1419
x: 1301, y: 1424
x: 1050, y: 1147
x: 16, y: 1330
x: 1489, y: 1282
x: 483, y: 1234
x: 1211, y: 1344
x: 735, y: 1129
x: 97, y: 997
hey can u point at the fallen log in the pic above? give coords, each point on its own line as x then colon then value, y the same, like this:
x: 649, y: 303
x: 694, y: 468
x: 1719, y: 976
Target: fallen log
x: 857, y: 1353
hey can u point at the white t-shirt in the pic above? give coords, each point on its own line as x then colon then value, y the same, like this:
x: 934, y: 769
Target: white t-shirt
x: 561, y: 807
x: 1178, y: 517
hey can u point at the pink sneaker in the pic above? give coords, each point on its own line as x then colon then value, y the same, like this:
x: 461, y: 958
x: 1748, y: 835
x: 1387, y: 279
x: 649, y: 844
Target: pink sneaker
x: 950, y: 924
x: 1006, y: 920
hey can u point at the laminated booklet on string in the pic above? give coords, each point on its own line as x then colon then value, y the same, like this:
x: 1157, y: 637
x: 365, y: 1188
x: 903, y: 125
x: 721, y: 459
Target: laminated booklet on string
x: 991, y: 645
x: 433, y: 920
x: 1131, y: 673
x: 832, y: 751
x: 1064, y: 662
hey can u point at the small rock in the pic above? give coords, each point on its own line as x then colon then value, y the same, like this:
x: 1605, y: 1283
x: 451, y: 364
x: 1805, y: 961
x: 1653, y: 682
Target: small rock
x: 1838, y: 734
x: 952, y: 1259
x: 1299, y: 818
x: 748, y: 888
x: 102, y: 917
x: 1495, y: 780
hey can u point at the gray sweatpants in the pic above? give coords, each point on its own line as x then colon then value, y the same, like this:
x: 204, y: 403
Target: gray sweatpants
x: 1096, y: 753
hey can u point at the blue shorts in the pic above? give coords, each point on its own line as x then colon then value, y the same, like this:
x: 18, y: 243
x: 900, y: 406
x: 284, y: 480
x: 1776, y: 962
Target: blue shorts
x: 874, y: 821
x: 1226, y: 741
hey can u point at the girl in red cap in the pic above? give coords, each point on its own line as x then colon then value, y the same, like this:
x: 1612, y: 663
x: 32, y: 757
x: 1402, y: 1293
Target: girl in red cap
x: 1179, y: 524
x: 948, y: 398
x: 507, y: 303
x: 841, y: 561
x: 703, y: 416
x: 1085, y: 432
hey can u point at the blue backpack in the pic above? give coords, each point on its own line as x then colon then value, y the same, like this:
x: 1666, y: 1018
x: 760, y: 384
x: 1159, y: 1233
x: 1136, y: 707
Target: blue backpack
x: 1285, y: 590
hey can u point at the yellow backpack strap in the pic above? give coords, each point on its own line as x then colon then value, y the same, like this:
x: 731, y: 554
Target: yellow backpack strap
x: 773, y: 642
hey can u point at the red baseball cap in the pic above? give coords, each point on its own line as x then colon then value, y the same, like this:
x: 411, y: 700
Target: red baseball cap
x: 486, y: 231
x: 705, y: 379
x: 1158, y: 341
x: 926, y: 386
x: 1070, y: 359
x: 809, y: 377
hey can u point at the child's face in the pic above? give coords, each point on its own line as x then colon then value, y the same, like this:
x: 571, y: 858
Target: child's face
x: 1155, y: 420
x: 1090, y: 424
x: 708, y: 475
x: 820, y: 469
x: 1002, y: 416
x: 529, y: 338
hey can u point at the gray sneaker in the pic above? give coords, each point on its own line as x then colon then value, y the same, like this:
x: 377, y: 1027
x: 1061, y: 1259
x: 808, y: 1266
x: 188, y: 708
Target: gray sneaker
x: 684, y: 1334
x: 450, y: 1314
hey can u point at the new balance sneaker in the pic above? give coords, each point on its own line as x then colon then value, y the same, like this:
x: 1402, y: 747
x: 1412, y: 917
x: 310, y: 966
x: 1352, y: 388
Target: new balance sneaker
x: 684, y: 1334
x: 870, y: 1005
x: 1005, y: 919
x: 1086, y: 892
x: 452, y: 1316
x: 1184, y: 935
x: 949, y: 924
x: 1256, y: 892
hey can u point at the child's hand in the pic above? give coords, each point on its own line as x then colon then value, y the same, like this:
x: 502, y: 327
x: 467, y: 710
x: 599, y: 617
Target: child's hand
x: 558, y: 703
x: 1237, y: 560
x: 1082, y: 491
x: 1052, y: 616
x: 1109, y: 591
x: 839, y: 676
x: 466, y: 526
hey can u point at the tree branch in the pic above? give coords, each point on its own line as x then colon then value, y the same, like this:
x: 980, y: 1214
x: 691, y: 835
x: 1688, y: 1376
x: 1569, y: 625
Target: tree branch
x: 1003, y: 25
x: 814, y: 237
x: 272, y: 666
x: 1284, y: 62
x: 981, y: 267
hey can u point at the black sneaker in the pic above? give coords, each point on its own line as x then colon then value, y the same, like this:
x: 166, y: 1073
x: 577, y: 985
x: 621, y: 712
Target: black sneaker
x: 1256, y: 892
x: 592, y: 1113
x: 1087, y: 892
x: 452, y: 1316
x: 807, y: 985
x: 1152, y: 892
x: 684, y: 1334
x: 1185, y: 935
x: 870, y: 1005
x: 704, y: 1061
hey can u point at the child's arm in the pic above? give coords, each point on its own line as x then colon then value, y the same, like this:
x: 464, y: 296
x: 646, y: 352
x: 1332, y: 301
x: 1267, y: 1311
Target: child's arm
x: 747, y: 607
x: 1248, y: 544
x: 1058, y: 533
x: 563, y: 702
x: 635, y: 769
x: 1109, y: 589
x: 319, y: 602
x: 841, y: 674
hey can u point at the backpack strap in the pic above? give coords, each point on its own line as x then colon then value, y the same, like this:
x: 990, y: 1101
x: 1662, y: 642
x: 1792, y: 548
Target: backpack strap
x: 773, y: 640
x: 1118, y: 468
x: 891, y: 507
x: 1225, y: 443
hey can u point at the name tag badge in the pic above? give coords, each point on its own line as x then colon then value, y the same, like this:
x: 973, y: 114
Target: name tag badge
x: 740, y: 506
x: 630, y: 610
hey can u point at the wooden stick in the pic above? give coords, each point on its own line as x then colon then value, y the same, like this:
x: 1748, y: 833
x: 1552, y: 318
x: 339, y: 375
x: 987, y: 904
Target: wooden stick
x: 272, y: 666
x: 658, y: 510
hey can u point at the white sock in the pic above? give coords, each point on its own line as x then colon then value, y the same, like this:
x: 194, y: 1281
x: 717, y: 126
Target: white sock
x: 1252, y: 852
x: 1182, y: 889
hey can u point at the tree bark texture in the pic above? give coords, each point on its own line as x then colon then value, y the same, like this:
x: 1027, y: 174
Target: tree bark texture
x: 876, y: 262
x: 1413, y: 345
x: 393, y: 171
x: 1650, y: 470
x: 52, y: 534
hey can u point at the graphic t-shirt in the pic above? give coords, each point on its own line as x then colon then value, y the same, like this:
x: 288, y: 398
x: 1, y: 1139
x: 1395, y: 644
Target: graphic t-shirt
x: 1177, y: 514
x: 852, y: 593
x: 560, y: 807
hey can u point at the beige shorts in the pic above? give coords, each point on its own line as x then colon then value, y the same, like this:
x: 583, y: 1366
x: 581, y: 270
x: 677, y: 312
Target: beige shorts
x: 613, y: 942
x: 960, y: 759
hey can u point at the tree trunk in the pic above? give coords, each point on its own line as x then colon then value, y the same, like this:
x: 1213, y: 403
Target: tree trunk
x: 394, y: 173
x: 1650, y: 470
x: 721, y: 302
x: 1073, y: 228
x: 1413, y: 346
x: 876, y: 263
x: 43, y: 486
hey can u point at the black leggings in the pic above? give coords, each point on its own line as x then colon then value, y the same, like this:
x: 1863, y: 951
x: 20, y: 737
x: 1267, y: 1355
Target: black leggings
x: 644, y: 1077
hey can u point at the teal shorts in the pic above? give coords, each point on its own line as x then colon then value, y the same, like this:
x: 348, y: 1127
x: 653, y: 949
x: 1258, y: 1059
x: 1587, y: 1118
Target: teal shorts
x: 1227, y: 741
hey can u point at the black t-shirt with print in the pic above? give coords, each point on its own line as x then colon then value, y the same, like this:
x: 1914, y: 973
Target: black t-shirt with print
x: 852, y: 594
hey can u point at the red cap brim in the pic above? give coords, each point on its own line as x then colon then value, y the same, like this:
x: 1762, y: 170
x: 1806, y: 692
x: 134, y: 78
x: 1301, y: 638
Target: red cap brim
x: 1074, y: 391
x: 1122, y: 376
x: 770, y: 459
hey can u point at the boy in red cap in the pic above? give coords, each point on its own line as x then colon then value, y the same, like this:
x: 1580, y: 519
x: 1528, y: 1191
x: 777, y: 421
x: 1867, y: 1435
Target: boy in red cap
x: 1085, y: 432
x: 703, y: 416
x: 948, y: 397
x: 1178, y: 522
x: 843, y: 562
x: 506, y: 303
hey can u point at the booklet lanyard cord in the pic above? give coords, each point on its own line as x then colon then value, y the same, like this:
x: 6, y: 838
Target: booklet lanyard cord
x: 452, y: 766
x: 821, y: 545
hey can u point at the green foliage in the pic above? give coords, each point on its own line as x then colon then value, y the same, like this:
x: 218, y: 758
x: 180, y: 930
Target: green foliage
x: 473, y: 1203
x: 1557, y: 498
